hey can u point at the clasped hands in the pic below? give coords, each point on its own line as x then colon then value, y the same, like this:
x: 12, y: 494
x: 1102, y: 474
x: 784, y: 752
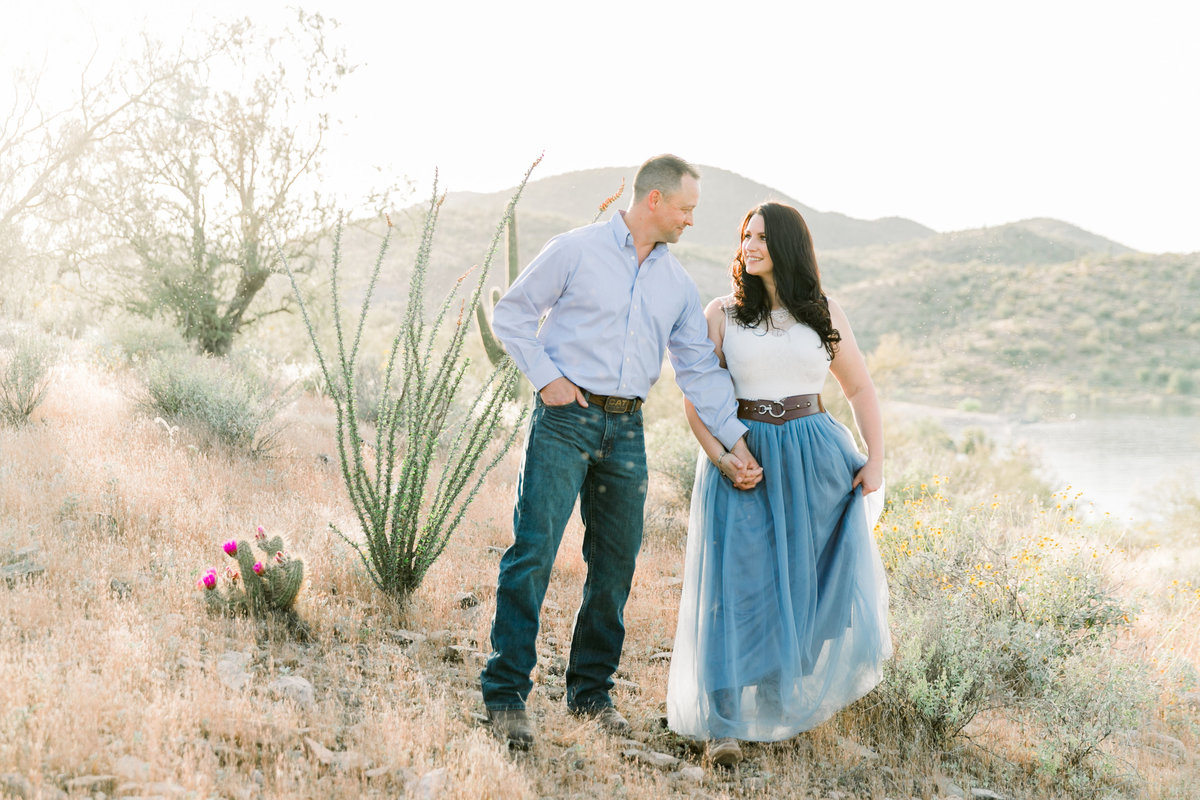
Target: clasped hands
x: 739, y: 466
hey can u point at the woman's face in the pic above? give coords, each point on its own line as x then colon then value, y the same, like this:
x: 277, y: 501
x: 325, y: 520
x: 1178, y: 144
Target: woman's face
x: 754, y: 248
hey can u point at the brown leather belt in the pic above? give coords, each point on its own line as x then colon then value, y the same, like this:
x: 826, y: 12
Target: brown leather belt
x: 614, y: 405
x: 778, y: 412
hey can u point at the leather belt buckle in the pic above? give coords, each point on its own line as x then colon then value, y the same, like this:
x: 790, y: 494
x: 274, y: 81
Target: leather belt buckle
x: 769, y: 408
x: 618, y: 405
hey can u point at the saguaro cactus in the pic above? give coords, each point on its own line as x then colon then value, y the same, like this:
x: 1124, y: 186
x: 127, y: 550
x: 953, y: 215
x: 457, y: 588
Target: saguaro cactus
x: 491, y: 345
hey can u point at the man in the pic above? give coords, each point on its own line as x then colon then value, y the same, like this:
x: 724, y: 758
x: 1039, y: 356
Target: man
x: 613, y: 298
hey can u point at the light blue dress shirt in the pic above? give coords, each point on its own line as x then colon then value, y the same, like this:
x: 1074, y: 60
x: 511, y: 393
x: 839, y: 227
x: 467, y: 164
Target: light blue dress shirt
x: 608, y: 321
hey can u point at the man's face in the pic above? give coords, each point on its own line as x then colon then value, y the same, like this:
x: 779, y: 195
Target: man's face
x: 674, y: 211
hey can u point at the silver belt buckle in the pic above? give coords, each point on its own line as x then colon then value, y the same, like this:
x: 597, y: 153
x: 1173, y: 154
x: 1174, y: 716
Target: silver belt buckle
x: 769, y: 408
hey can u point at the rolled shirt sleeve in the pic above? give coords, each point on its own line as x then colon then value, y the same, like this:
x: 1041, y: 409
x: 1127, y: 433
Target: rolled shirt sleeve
x: 700, y: 375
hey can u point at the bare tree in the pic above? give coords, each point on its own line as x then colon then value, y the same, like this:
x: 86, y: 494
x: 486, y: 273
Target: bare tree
x: 224, y: 145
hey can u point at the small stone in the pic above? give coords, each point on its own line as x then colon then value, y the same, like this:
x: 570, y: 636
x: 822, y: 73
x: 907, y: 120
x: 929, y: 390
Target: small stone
x: 692, y: 774
x: 231, y: 670
x: 16, y: 785
x: 754, y: 783
x: 651, y: 758
x: 404, y: 637
x: 663, y: 656
x: 132, y: 769
x: 91, y: 784
x: 986, y: 794
x: 341, y: 760
x: 432, y: 784
x: 164, y: 789
x: 21, y: 572
x: 674, y: 581
x: 296, y: 689
x: 947, y: 787
x: 491, y: 548
x: 466, y: 599
x: 857, y: 750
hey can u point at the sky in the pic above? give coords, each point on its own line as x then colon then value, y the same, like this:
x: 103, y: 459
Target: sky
x: 954, y: 114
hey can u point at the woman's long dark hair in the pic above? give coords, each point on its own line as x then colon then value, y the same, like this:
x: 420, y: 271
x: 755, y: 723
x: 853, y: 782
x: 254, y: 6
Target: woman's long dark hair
x: 797, y: 278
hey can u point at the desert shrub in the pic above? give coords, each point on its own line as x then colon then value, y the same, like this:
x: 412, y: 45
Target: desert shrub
x: 25, y: 366
x: 134, y: 340
x: 214, y: 400
x: 671, y: 452
x: 406, y: 523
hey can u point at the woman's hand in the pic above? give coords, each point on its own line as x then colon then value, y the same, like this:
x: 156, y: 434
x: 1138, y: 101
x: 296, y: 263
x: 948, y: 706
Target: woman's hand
x: 742, y: 475
x: 870, y: 477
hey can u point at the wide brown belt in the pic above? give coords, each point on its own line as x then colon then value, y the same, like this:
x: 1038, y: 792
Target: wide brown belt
x: 614, y: 405
x: 778, y: 412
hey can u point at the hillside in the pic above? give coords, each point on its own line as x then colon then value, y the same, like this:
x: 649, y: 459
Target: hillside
x: 1038, y: 339
x: 1036, y: 317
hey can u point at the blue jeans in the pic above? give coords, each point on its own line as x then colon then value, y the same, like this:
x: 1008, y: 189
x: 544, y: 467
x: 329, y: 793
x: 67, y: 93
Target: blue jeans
x: 600, y: 458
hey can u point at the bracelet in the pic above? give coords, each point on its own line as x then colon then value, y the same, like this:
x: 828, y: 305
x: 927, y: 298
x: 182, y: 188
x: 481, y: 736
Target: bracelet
x: 720, y: 459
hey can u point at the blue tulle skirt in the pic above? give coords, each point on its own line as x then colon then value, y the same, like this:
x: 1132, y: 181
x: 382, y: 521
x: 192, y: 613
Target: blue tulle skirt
x: 783, y: 618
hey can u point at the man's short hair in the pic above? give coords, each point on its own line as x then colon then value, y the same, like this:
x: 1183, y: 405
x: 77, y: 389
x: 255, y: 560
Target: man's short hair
x: 664, y: 173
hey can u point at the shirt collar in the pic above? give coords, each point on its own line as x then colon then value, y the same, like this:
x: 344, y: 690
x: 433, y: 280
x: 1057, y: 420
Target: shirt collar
x: 624, y: 237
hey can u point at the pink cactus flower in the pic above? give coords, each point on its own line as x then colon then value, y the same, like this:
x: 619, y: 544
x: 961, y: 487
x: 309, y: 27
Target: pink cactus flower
x: 259, y: 569
x: 231, y: 547
x: 280, y: 557
x: 260, y: 534
x: 232, y: 574
x: 209, y: 581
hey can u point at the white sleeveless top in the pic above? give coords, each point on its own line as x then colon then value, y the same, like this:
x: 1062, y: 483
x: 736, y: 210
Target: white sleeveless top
x: 773, y: 361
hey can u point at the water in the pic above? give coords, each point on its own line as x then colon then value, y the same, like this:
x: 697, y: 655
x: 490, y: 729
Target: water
x: 1126, y: 465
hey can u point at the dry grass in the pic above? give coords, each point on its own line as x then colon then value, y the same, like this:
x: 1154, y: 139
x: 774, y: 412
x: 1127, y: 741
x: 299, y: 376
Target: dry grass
x: 111, y: 666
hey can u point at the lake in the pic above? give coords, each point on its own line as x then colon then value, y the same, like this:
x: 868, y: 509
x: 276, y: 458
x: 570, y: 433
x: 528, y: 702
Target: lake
x: 1124, y: 464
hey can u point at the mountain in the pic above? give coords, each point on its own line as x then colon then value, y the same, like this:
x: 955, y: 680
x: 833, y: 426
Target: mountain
x: 1035, y: 317
x: 725, y: 198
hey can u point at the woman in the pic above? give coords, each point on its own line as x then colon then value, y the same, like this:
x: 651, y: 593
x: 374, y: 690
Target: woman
x: 783, y: 619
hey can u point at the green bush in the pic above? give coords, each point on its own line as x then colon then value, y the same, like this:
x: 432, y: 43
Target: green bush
x: 24, y: 376
x: 998, y: 604
x: 406, y: 522
x: 214, y: 400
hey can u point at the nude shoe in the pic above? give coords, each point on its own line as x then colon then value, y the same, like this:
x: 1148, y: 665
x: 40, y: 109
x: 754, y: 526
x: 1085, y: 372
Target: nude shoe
x: 724, y: 752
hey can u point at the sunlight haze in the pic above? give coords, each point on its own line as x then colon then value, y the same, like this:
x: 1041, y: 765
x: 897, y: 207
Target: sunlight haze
x: 953, y: 115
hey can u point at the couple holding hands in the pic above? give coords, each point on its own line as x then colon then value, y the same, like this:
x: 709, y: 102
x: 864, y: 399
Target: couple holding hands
x: 783, y: 618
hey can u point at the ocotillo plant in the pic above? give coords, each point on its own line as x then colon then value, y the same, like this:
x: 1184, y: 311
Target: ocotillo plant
x: 406, y: 523
x: 491, y: 345
x: 260, y: 585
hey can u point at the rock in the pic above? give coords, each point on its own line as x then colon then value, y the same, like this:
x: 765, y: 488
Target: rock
x: 90, y: 784
x: 755, y: 784
x: 341, y: 760
x: 857, y: 750
x: 20, y: 572
x: 466, y: 599
x: 947, y: 787
x: 432, y: 784
x: 491, y: 548
x: 132, y: 769
x: 404, y: 637
x: 296, y: 689
x: 986, y: 794
x: 231, y: 669
x: 16, y: 785
x: 663, y: 656
x: 692, y: 774
x: 651, y: 758
x: 621, y: 683
x: 674, y: 581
